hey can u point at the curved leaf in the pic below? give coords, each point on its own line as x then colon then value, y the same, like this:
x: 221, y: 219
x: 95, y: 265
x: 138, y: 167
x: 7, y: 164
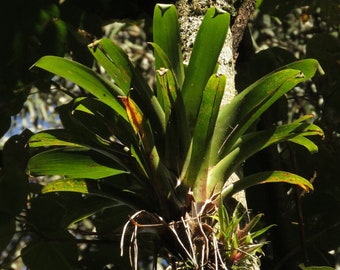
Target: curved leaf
x: 267, y: 177
x: 73, y: 163
x: 236, y: 118
x: 115, y: 62
x: 251, y: 143
x: 301, y: 266
x: 51, y: 138
x: 124, y: 73
x: 85, y: 78
x: 305, y: 142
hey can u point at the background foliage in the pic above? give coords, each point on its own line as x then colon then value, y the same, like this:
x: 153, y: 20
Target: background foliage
x: 299, y: 30
x: 279, y: 32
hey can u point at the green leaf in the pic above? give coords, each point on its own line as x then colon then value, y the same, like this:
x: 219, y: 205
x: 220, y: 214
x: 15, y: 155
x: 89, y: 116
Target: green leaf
x: 166, y: 36
x: 109, y: 133
x: 70, y: 185
x: 85, y: 78
x: 102, y: 195
x: 128, y: 77
x: 238, y: 116
x: 105, y: 123
x: 305, y: 142
x: 295, y: 132
x: 315, y: 267
x: 177, y: 133
x: 166, y: 91
x: 308, y: 67
x: 51, y: 138
x: 146, y: 99
x: 267, y: 177
x: 73, y: 163
x: 253, y: 142
x: 207, y: 47
x: 58, y: 252
x: 261, y: 231
x: 115, y: 62
x: 209, y: 108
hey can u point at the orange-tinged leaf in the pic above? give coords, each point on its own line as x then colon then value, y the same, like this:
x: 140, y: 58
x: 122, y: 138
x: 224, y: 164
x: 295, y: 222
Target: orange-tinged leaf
x: 134, y: 114
x: 139, y: 123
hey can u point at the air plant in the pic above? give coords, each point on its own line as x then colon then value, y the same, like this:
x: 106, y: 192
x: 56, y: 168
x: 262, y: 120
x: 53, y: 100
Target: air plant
x: 160, y: 158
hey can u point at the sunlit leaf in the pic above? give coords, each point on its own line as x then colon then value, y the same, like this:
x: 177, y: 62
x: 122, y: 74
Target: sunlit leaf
x: 84, y: 77
x: 71, y: 185
x: 308, y: 67
x: 315, y: 267
x: 268, y: 177
x: 166, y: 36
x: 73, y: 163
x: 139, y: 123
x: 208, y: 44
x: 238, y: 116
x: 250, y: 143
x: 51, y: 138
x: 305, y: 142
x: 205, y: 124
x: 115, y: 62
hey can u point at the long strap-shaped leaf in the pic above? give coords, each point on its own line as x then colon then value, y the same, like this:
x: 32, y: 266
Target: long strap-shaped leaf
x: 73, y: 163
x: 168, y: 95
x: 207, y: 47
x: 177, y: 137
x: 85, y: 78
x: 267, y: 177
x: 166, y: 36
x: 208, y: 111
x: 236, y: 118
x: 118, y: 65
x: 110, y: 198
x: 114, y: 61
x: 251, y: 143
